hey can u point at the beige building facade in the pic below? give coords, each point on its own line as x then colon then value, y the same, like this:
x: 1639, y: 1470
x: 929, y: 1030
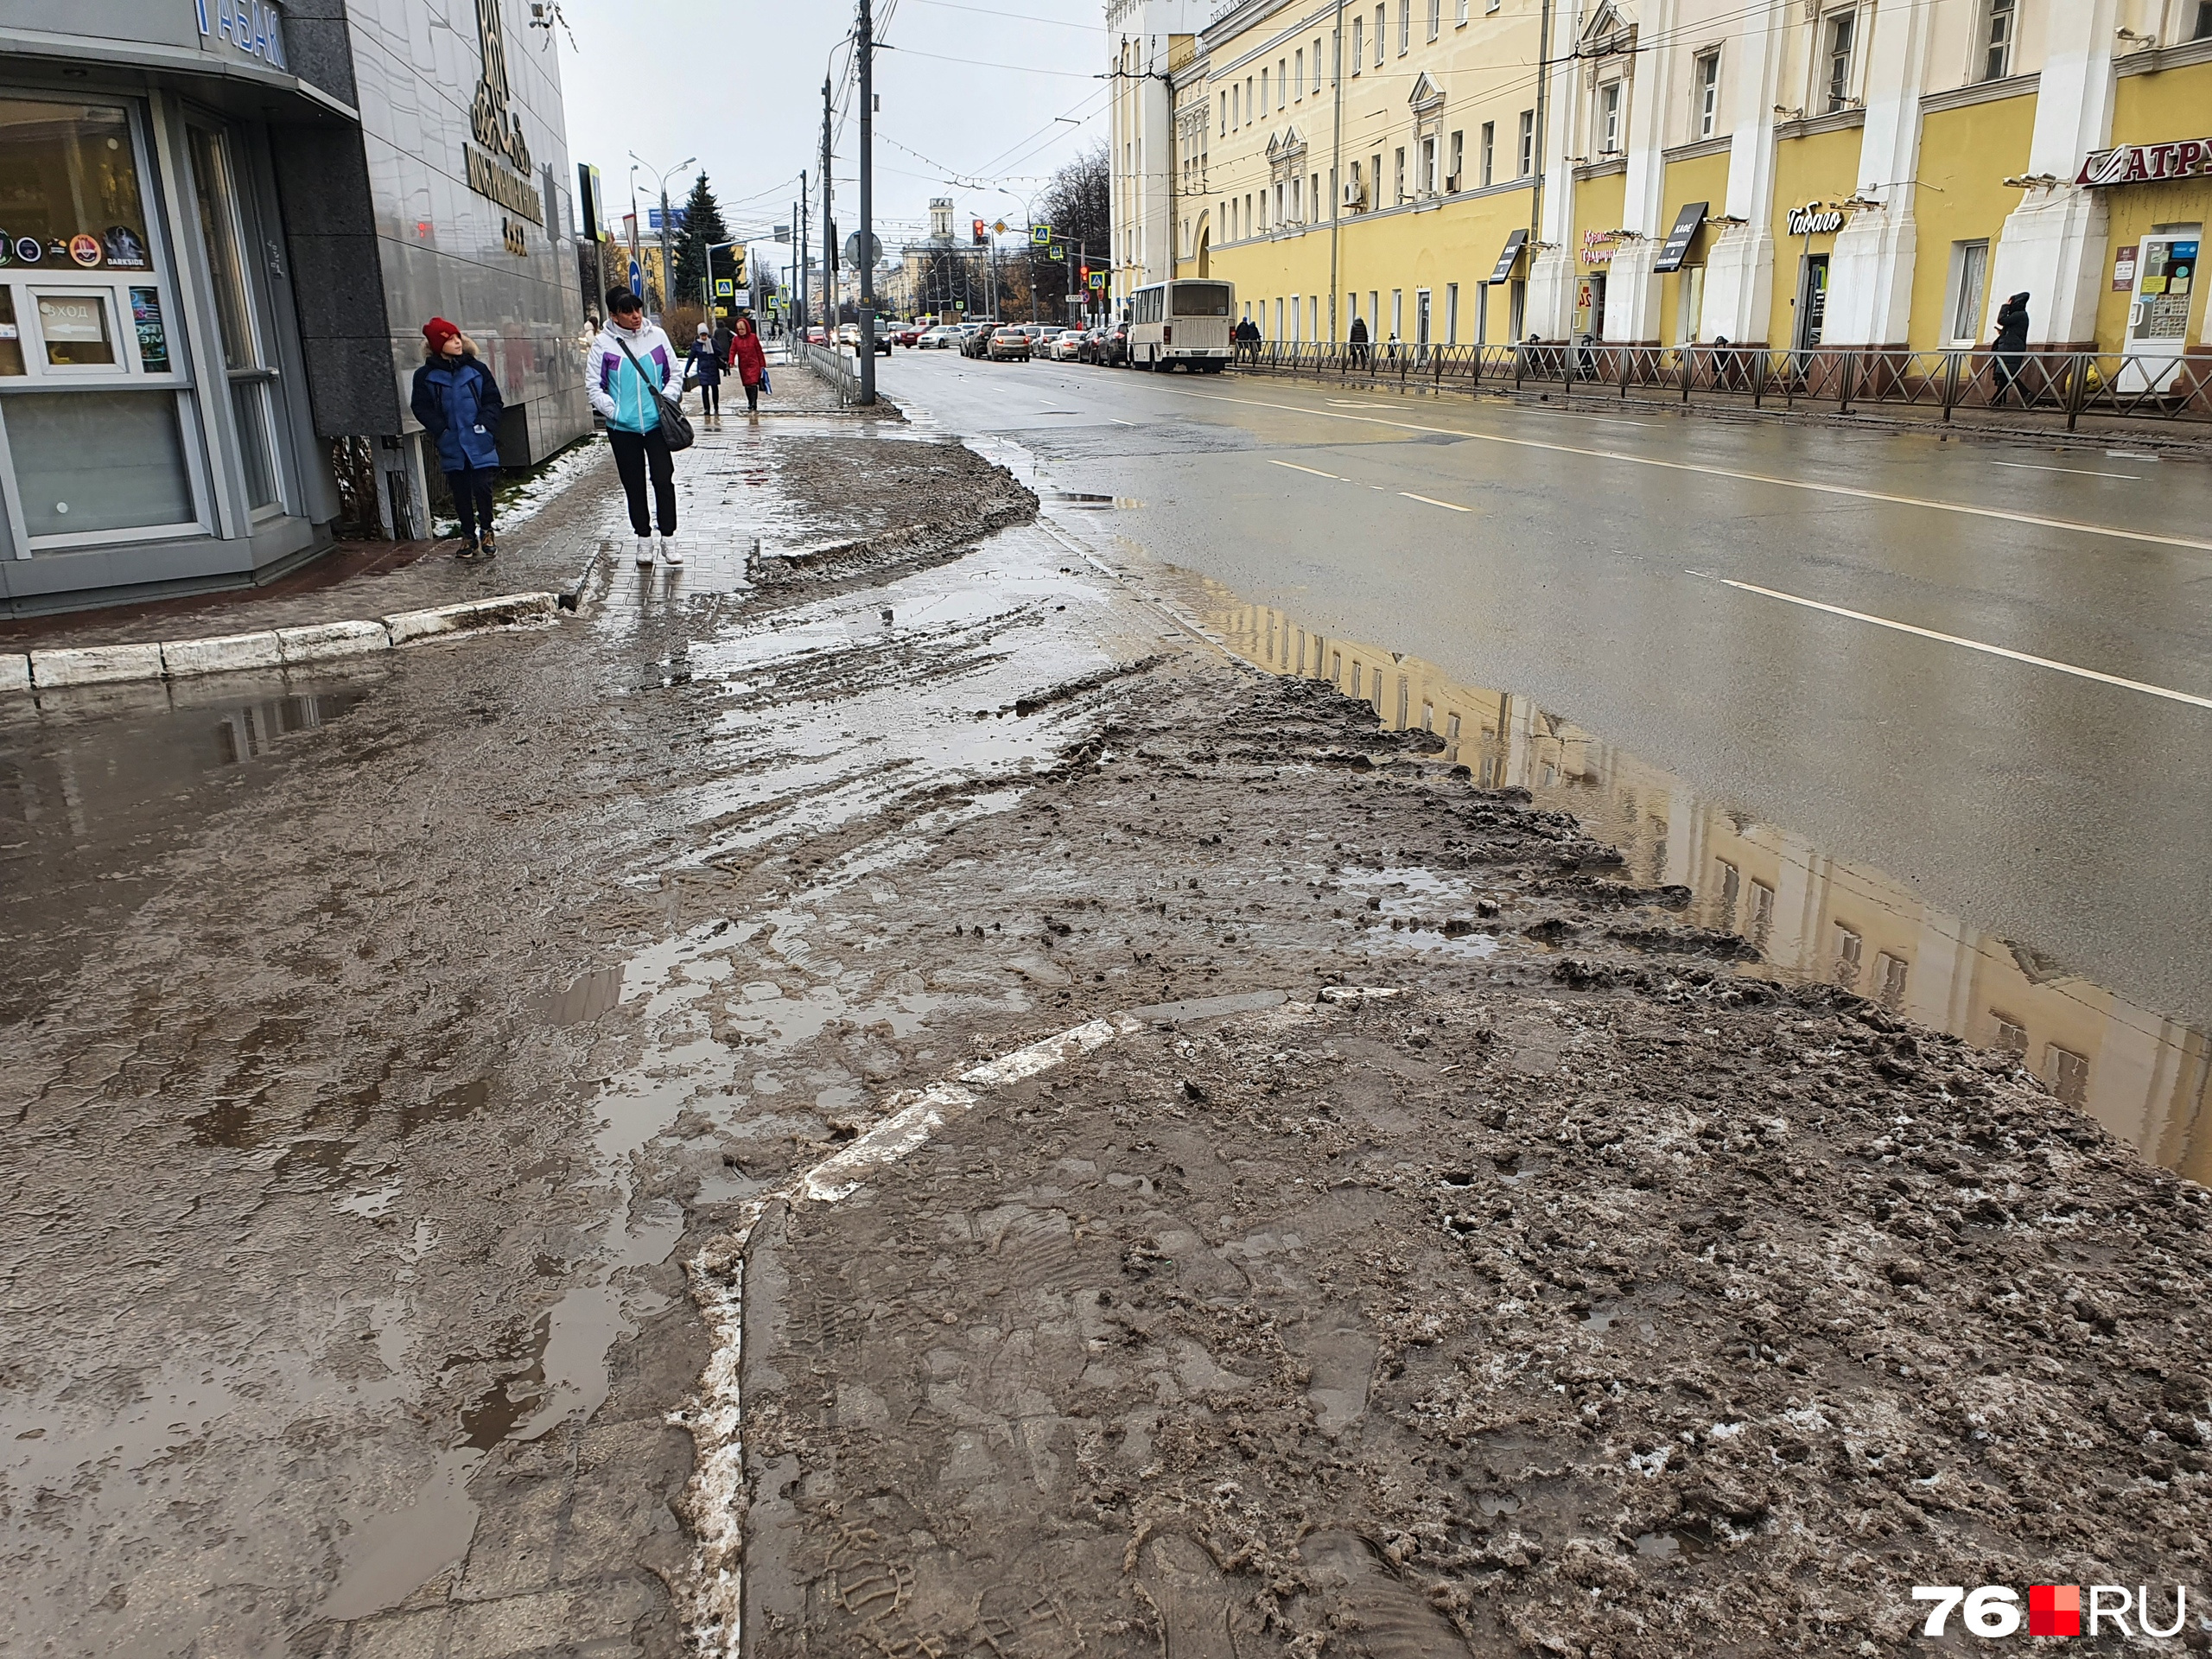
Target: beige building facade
x: 1788, y: 173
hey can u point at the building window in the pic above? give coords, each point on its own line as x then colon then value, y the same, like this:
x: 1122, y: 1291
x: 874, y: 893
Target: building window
x: 1452, y: 314
x: 2204, y: 29
x: 1846, y: 953
x: 1263, y: 91
x: 1398, y: 172
x: 1704, y: 80
x: 1225, y: 116
x: 1298, y: 69
x: 1435, y: 18
x: 1527, y: 150
x: 1609, y: 118
x: 1381, y: 28
x: 2011, y: 1035
x: 1889, y: 979
x: 1405, y: 26
x: 1969, y: 282
x: 1732, y: 887
x: 1282, y: 82
x: 1490, y: 153
x: 1459, y: 15
x: 1428, y: 179
x: 1457, y: 178
x: 1397, y: 312
x: 1762, y: 917
x: 1835, y: 58
x: 1358, y: 41
x: 1997, y: 39
x: 2069, y: 1075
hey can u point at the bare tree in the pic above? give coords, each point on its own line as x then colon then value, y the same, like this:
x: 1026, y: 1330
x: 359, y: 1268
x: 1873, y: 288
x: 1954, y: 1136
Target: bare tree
x: 1078, y: 204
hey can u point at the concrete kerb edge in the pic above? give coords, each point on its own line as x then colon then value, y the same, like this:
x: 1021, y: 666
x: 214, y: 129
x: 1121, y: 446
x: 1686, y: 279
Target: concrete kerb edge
x: 31, y: 672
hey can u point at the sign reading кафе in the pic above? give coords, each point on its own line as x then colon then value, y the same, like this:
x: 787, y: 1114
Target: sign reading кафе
x: 2178, y: 158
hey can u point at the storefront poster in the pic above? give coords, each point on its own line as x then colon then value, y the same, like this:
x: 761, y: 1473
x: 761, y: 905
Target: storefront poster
x: 85, y: 249
x: 2123, y: 270
x: 124, y: 247
x: 29, y: 249
x: 71, y: 320
x: 153, y: 333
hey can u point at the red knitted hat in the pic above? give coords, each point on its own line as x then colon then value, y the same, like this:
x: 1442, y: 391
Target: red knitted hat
x: 437, y: 331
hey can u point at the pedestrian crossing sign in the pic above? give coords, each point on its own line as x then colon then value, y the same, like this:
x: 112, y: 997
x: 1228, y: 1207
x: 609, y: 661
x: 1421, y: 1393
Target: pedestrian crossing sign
x: 724, y: 287
x: 1040, y: 236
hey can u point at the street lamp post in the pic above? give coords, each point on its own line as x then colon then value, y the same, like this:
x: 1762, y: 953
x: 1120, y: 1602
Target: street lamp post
x: 667, y: 269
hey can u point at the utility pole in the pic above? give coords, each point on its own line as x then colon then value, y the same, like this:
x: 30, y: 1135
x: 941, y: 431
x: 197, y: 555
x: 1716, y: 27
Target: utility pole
x: 1337, y: 172
x: 798, y: 221
x: 867, y: 203
x: 667, y: 265
x: 829, y: 232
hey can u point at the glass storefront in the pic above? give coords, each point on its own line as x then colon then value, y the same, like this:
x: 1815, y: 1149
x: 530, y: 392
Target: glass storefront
x: 96, y: 436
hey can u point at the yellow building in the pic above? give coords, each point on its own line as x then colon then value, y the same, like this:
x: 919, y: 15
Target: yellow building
x: 1788, y: 173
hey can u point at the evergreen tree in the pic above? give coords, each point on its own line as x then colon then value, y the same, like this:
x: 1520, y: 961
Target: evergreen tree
x: 703, y: 226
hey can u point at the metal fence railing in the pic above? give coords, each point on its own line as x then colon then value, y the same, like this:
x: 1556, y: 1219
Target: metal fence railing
x: 2059, y: 385
x: 841, y: 371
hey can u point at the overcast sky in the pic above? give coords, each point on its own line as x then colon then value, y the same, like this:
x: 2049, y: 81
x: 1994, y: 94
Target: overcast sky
x: 738, y: 84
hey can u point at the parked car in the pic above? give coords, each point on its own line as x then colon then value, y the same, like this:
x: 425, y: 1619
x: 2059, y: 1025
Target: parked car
x: 1008, y: 344
x: 908, y: 335
x: 1114, y: 346
x: 938, y: 340
x: 979, y: 342
x: 1067, y: 346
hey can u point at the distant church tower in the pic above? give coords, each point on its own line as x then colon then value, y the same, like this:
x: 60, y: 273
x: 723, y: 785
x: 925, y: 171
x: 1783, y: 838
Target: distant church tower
x: 941, y: 218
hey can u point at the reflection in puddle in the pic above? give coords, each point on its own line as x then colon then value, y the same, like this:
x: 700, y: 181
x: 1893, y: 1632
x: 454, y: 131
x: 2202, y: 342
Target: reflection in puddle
x: 2145, y: 1077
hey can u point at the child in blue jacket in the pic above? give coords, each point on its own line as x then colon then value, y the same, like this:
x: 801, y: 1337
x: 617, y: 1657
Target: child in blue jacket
x: 459, y: 405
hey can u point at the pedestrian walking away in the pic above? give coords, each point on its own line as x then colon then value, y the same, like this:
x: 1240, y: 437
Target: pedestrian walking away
x: 1358, y: 338
x: 458, y: 403
x: 705, y: 364
x: 723, y: 335
x: 751, y: 364
x: 628, y: 366
x: 2011, y: 344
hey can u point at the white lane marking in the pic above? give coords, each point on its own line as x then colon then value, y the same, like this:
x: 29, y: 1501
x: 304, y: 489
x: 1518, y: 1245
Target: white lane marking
x: 2075, y: 525
x: 1433, y: 501
x: 1971, y: 645
x: 2078, y: 471
x: 1295, y: 467
x: 1118, y: 422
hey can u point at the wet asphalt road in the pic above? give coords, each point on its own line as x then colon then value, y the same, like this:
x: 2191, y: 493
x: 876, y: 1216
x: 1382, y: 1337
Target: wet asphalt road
x: 1583, y: 559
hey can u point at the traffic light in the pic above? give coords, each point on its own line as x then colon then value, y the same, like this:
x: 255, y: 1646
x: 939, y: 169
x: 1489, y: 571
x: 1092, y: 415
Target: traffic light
x: 982, y: 235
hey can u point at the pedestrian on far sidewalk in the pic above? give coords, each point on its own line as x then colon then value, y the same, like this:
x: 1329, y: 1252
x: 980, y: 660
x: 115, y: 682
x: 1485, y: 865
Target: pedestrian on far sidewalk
x: 2010, y: 346
x: 750, y: 362
x: 459, y: 405
x: 626, y: 372
x: 1358, y: 339
x: 706, y: 365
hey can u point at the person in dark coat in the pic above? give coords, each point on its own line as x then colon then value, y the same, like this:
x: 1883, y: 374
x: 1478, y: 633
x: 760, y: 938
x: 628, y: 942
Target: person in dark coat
x: 705, y: 364
x: 2011, y: 344
x: 750, y: 362
x: 1357, y: 338
x: 459, y: 405
x: 723, y: 335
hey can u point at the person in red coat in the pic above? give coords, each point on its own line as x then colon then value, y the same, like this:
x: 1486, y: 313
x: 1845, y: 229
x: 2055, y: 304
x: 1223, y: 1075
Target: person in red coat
x: 750, y: 362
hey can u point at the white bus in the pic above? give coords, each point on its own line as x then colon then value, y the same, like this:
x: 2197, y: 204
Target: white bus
x: 1185, y: 321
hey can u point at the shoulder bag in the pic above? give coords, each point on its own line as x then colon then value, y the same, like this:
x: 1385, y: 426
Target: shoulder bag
x: 675, y: 428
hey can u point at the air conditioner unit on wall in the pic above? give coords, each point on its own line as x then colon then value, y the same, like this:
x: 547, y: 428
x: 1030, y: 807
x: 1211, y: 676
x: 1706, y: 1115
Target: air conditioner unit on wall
x: 1355, y: 196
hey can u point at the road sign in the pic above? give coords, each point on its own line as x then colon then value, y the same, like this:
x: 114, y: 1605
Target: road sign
x: 1098, y: 280
x: 1000, y: 227
x: 853, y: 249
x: 1040, y: 236
x: 724, y: 288
x: 1057, y: 253
x: 637, y: 278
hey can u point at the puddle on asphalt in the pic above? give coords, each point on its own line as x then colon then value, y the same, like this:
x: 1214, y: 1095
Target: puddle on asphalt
x: 2146, y: 1078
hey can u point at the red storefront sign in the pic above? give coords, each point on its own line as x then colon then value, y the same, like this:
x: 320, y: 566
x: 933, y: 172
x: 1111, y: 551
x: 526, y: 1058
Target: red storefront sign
x: 2181, y: 158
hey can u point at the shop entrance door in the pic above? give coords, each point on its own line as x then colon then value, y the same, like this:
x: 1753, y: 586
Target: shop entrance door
x: 2157, y: 313
x: 1812, y: 301
x: 226, y: 227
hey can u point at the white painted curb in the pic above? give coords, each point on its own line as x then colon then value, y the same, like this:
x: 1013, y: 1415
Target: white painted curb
x: 327, y: 640
x: 176, y: 660
x: 507, y: 608
x: 222, y: 653
x: 96, y: 665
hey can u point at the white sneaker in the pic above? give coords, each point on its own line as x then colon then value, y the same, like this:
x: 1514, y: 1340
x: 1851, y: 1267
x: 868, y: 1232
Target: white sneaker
x: 645, y: 552
x: 670, y: 551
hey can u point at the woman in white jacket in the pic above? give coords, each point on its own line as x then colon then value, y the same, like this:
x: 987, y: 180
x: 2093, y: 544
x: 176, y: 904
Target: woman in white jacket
x: 624, y: 372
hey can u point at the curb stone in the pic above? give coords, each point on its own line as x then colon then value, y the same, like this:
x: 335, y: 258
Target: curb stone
x: 222, y: 653
x: 171, y: 659
x: 95, y: 666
